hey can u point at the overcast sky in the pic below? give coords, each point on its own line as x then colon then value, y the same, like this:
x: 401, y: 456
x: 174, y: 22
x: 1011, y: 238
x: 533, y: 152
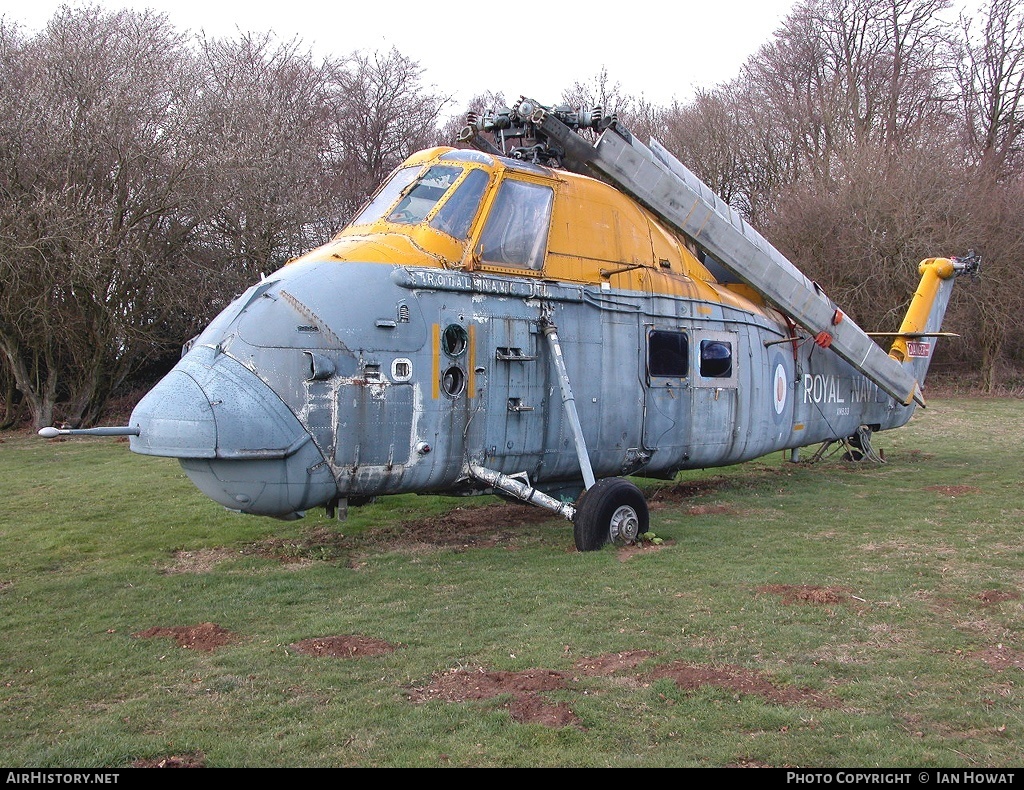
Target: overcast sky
x: 537, y: 48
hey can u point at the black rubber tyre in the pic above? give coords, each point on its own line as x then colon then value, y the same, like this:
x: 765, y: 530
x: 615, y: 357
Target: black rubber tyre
x: 856, y: 449
x: 613, y: 510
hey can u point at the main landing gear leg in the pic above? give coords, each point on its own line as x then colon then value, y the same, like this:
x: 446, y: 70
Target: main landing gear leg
x: 857, y: 447
x: 610, y: 510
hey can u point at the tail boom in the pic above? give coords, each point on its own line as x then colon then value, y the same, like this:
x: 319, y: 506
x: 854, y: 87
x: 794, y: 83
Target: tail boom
x: 923, y: 320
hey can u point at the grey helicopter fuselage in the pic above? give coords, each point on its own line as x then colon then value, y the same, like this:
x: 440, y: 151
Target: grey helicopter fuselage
x: 337, y: 378
x: 541, y: 325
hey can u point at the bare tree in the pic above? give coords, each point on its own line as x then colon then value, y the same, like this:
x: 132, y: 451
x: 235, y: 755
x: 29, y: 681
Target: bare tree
x: 851, y: 73
x: 635, y: 113
x: 381, y: 114
x: 709, y: 136
x: 269, y: 184
x: 991, y: 78
x: 89, y: 185
x: 989, y: 318
x: 738, y: 144
x: 862, y: 237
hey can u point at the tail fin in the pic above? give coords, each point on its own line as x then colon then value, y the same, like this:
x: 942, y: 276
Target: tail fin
x: 915, y: 342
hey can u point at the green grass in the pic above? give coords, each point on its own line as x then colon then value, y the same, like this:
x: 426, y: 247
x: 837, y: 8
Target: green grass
x: 923, y: 649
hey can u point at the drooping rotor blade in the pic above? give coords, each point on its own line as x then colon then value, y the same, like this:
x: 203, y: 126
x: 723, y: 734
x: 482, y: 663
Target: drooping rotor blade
x: 666, y: 187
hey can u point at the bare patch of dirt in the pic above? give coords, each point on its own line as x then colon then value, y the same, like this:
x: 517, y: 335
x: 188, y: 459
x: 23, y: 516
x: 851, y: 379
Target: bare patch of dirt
x: 806, y: 593
x: 996, y: 596
x: 1000, y: 657
x: 954, y: 491
x: 318, y: 542
x: 351, y: 646
x: 642, y: 547
x: 482, y: 526
x: 527, y: 688
x: 528, y: 704
x: 532, y: 708
x: 679, y: 492
x: 200, y: 561
x: 742, y: 681
x: 610, y: 663
x: 197, y: 760
x: 206, y: 636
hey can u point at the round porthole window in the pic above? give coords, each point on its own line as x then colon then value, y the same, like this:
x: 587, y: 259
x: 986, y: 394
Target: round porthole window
x: 453, y: 381
x: 454, y: 340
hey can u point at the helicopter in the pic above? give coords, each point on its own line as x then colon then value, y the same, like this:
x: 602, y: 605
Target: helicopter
x: 542, y: 312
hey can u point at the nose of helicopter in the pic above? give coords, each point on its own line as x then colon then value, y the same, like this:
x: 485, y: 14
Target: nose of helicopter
x: 236, y: 439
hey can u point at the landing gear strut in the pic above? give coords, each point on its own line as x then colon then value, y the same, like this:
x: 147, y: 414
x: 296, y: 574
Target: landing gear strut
x: 611, y: 510
x: 858, y: 447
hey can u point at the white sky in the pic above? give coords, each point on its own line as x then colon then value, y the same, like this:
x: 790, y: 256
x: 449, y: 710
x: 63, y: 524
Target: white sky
x: 537, y: 48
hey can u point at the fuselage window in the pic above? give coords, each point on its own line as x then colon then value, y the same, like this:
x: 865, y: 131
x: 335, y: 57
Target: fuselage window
x: 667, y: 354
x: 715, y: 359
x: 387, y: 195
x: 424, y: 194
x: 516, y: 233
x: 453, y: 381
x: 456, y: 215
x: 454, y: 340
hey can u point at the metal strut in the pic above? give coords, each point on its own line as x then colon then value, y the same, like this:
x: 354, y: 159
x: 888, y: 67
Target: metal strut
x: 569, y: 402
x: 858, y: 447
x: 520, y: 490
x: 512, y: 486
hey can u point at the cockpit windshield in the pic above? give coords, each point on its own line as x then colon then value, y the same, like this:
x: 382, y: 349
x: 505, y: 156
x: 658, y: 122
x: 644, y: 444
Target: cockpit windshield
x: 386, y: 196
x: 424, y: 194
x: 417, y: 197
x: 456, y: 215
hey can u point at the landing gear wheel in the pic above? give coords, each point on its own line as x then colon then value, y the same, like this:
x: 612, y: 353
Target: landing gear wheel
x: 612, y: 510
x: 858, y: 445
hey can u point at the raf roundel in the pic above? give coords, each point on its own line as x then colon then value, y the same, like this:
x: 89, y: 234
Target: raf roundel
x: 779, y: 388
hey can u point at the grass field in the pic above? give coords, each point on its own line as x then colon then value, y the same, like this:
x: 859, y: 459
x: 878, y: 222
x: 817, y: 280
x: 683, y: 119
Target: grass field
x: 793, y: 615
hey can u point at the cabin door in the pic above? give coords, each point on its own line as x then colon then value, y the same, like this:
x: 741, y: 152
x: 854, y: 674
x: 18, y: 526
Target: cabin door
x: 516, y: 404
x: 665, y: 370
x: 714, y: 399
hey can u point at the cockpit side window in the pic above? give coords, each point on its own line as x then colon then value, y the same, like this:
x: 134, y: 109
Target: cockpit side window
x: 425, y: 193
x: 516, y: 233
x: 458, y: 211
x: 386, y: 197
